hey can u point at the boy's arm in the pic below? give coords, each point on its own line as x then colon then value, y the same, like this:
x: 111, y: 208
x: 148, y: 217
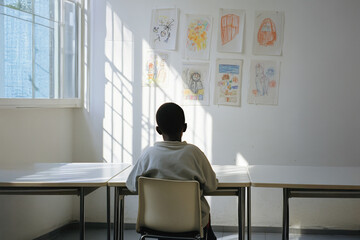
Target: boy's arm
x: 211, y: 182
x: 132, y: 180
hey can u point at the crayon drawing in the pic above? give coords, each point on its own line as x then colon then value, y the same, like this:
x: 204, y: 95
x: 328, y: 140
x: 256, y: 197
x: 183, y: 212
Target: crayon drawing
x: 195, y: 78
x: 163, y: 33
x: 228, y: 82
x: 264, y: 82
x: 269, y: 33
x: 198, y: 36
x: 156, y: 69
x: 231, y: 30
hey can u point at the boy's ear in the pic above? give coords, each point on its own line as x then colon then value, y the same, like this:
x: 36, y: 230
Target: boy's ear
x: 158, y: 130
x: 185, y: 127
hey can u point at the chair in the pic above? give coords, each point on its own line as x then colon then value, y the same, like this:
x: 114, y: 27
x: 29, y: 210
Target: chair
x: 169, y: 209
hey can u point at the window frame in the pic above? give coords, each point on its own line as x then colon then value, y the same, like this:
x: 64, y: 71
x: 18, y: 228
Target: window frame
x: 79, y: 68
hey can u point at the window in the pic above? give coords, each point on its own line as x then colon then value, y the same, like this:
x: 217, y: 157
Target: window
x: 40, y: 42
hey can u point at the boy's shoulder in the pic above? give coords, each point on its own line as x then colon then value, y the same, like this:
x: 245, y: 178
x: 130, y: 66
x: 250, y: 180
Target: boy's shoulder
x: 175, y: 145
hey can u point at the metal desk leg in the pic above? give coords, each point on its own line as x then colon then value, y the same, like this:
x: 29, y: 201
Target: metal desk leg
x: 82, y: 214
x: 285, y: 234
x: 116, y: 213
x: 249, y: 212
x: 122, y: 200
x: 108, y: 212
x: 241, y: 213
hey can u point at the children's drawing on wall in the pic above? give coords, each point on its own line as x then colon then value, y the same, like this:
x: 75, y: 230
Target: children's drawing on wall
x: 268, y: 33
x: 163, y: 30
x: 264, y: 82
x: 231, y: 30
x: 198, y: 36
x: 195, y: 78
x: 228, y: 82
x: 156, y: 69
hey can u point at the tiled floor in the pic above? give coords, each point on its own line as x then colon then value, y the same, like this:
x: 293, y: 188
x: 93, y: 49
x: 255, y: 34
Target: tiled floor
x: 97, y: 233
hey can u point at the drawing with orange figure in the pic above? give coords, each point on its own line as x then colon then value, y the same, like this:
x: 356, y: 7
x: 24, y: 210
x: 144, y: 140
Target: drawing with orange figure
x: 150, y: 72
x: 225, y: 77
x: 197, y: 35
x: 267, y: 33
x: 229, y: 27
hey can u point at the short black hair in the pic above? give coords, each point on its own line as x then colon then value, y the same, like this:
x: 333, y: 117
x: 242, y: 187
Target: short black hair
x: 170, y: 118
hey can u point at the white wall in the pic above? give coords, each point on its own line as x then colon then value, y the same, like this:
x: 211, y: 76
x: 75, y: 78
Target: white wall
x: 34, y: 135
x: 316, y: 122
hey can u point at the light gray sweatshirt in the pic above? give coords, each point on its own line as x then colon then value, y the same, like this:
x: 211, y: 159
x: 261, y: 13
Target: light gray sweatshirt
x: 176, y: 161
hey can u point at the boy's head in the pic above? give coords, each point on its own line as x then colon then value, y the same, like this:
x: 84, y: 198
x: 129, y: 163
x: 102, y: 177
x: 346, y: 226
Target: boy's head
x: 170, y: 119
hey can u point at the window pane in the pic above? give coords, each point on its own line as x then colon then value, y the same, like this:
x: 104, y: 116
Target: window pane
x: 23, y: 5
x: 46, y: 9
x: 44, y: 34
x: 16, y: 49
x: 44, y: 62
x: 33, y: 50
x: 70, y: 46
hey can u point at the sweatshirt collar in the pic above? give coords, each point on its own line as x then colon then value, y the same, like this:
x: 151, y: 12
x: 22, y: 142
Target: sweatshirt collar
x: 171, y: 143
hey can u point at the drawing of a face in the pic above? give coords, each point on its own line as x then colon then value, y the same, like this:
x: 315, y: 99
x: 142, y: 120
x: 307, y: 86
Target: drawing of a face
x: 163, y: 30
x: 267, y: 33
x: 270, y: 72
x: 195, y: 77
x: 195, y: 83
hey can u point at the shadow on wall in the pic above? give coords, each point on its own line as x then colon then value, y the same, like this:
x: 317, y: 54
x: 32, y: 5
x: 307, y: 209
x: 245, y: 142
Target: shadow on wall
x: 129, y: 107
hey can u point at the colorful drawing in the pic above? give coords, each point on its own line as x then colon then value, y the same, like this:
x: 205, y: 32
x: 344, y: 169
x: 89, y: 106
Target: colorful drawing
x: 229, y: 27
x: 231, y: 30
x: 267, y: 33
x: 228, y: 82
x: 268, y: 39
x: 264, y: 82
x: 156, y: 69
x: 195, y: 82
x: 198, y: 35
x: 164, y: 23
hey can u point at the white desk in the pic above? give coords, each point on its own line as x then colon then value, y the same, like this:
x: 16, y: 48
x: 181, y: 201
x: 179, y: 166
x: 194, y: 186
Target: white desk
x: 307, y: 182
x: 232, y: 182
x: 59, y: 179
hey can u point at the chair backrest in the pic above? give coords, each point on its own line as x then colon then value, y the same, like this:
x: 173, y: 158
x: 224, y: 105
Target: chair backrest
x: 169, y: 205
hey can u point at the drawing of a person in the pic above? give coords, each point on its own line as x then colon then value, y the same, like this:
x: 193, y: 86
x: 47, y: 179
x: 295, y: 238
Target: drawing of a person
x: 261, y: 80
x: 161, y: 74
x: 195, y: 83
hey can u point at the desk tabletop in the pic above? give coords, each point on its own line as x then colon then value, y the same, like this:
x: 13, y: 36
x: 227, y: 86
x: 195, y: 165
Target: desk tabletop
x: 59, y: 174
x: 232, y: 176
x: 228, y: 175
x: 305, y: 177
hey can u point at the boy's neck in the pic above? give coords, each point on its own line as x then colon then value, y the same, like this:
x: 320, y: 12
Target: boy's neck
x: 172, y: 138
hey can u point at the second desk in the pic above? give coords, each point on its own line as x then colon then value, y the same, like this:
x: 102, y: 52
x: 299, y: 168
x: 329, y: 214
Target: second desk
x: 233, y: 181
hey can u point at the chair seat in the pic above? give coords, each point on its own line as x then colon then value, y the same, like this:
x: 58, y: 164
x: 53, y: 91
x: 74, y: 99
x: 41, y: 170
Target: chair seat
x: 185, y: 235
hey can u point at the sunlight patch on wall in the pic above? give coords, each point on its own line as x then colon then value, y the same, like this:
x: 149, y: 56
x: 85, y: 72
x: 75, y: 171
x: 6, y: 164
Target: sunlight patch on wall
x: 118, y: 95
x: 200, y: 125
x: 157, y: 91
x: 156, y: 86
x: 241, y: 161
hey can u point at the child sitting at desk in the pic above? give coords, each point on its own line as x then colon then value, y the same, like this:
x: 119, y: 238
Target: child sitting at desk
x: 176, y: 160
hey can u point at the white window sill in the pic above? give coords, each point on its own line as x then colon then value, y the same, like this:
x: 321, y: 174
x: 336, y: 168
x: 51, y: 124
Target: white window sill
x: 40, y: 103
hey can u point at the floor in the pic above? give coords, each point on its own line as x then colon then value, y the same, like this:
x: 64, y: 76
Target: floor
x: 97, y: 233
